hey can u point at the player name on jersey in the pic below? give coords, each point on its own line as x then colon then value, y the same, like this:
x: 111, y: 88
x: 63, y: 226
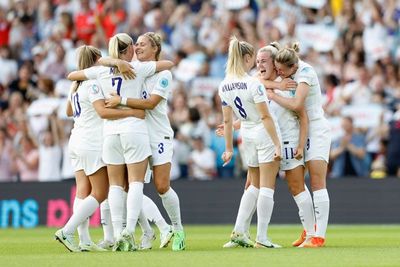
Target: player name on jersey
x: 234, y: 86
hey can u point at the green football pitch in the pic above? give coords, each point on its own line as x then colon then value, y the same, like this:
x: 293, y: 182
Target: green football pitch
x: 347, y: 245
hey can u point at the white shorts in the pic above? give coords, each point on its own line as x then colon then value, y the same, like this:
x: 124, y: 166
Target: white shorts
x: 288, y: 161
x: 257, y: 147
x: 126, y: 148
x: 86, y: 160
x: 161, y: 152
x: 318, y: 144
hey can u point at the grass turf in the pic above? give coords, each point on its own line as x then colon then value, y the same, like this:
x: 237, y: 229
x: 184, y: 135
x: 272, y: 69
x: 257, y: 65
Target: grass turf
x: 347, y: 245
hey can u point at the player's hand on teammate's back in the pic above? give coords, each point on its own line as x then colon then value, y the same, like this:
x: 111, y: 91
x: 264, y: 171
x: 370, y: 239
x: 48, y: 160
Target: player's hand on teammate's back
x: 299, y: 152
x: 226, y: 157
x: 287, y: 84
x: 126, y: 69
x: 113, y: 101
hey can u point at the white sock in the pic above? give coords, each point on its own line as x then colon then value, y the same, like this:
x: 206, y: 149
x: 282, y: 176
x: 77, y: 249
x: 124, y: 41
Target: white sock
x: 144, y: 223
x: 86, y: 208
x: 83, y: 228
x: 248, y: 221
x: 124, y: 211
x: 106, y: 222
x: 265, y: 205
x: 116, y: 202
x: 153, y: 214
x: 248, y: 203
x: 134, y: 205
x: 170, y: 201
x: 321, y: 206
x: 306, y: 212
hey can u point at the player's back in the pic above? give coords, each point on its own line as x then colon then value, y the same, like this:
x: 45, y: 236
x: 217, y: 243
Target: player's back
x: 242, y: 94
x: 88, y: 126
x: 115, y: 83
x: 313, y: 102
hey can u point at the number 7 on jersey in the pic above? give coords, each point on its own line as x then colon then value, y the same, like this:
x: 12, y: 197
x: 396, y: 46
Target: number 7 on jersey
x: 117, y: 81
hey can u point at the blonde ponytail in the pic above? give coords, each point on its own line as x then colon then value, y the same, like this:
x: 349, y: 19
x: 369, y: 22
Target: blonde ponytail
x: 288, y: 56
x: 273, y: 48
x: 119, y: 44
x: 296, y: 47
x: 237, y: 51
x: 87, y: 57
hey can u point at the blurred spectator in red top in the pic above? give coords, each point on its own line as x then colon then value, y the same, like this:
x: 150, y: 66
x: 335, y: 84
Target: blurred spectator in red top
x: 111, y: 15
x: 85, y: 22
x: 5, y: 28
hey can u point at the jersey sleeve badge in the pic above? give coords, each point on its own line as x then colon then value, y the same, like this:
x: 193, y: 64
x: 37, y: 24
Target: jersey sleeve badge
x: 260, y: 90
x: 94, y: 90
x: 163, y: 82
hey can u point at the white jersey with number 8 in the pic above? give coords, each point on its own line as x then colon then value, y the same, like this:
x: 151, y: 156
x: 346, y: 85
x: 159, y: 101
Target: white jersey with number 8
x: 242, y: 95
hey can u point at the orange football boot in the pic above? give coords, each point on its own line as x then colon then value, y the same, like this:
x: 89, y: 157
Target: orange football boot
x: 314, y: 242
x: 300, y: 240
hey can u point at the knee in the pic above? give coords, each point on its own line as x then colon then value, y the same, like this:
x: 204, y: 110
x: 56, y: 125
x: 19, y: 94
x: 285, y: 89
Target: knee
x: 83, y: 191
x: 162, y: 187
x: 99, y: 196
x: 296, y: 187
x: 317, y: 184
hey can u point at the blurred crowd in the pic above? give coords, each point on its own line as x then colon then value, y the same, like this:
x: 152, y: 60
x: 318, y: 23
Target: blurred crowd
x: 353, y: 45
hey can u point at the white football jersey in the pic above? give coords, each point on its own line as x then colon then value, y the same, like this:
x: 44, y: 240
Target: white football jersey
x: 111, y: 82
x: 313, y: 103
x: 87, y: 133
x: 287, y: 119
x: 157, y: 119
x: 241, y: 94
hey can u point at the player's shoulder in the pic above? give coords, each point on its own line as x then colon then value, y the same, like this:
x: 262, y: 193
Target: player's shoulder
x: 305, y: 68
x: 141, y: 64
x: 92, y: 86
x: 165, y: 74
x: 253, y: 81
x: 100, y: 69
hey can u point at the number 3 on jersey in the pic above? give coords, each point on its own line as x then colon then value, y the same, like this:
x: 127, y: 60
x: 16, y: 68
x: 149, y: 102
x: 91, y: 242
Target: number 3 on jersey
x: 117, y: 81
x: 239, y: 106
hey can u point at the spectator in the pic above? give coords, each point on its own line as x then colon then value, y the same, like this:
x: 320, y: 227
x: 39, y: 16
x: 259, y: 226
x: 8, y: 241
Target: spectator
x: 85, y: 22
x: 24, y: 83
x: 26, y: 160
x: 348, y: 153
x: 201, y: 161
x: 50, y: 154
x: 5, y: 157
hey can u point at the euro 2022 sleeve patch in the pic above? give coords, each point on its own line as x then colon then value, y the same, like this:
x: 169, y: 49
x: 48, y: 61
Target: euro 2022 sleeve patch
x: 163, y: 82
x: 94, y: 89
x: 260, y: 90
